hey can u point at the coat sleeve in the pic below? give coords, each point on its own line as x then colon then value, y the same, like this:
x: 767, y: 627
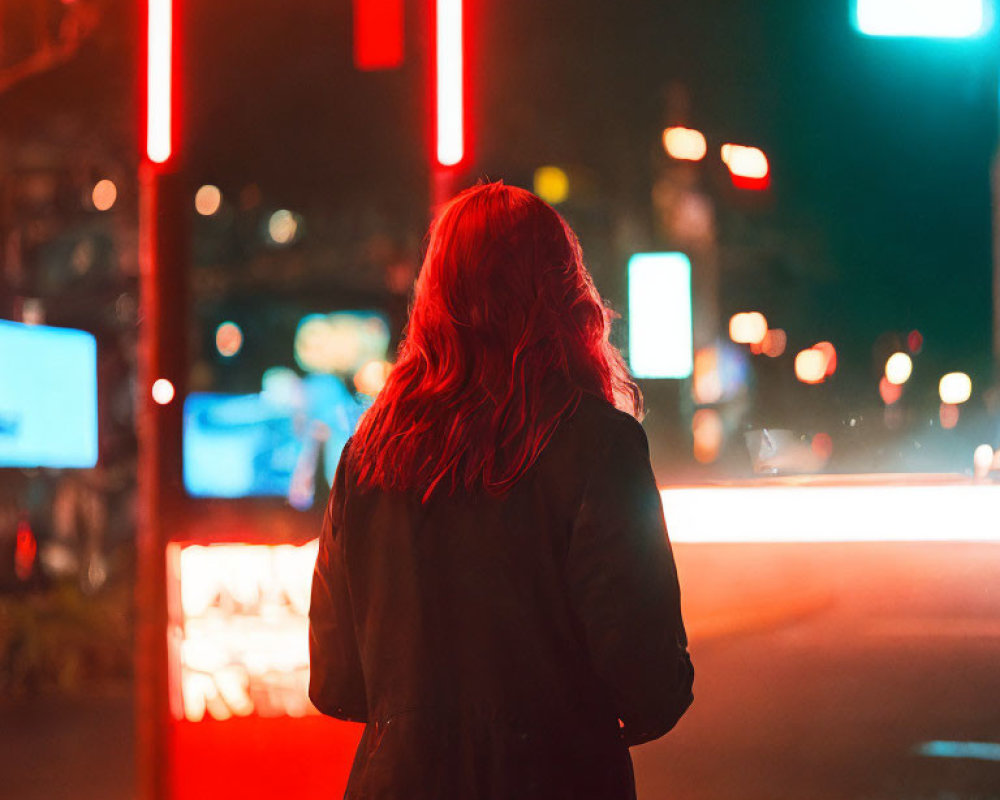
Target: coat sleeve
x: 624, y: 589
x: 336, y: 680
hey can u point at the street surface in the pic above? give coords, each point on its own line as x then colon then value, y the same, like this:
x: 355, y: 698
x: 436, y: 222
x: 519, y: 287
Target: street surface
x: 820, y: 671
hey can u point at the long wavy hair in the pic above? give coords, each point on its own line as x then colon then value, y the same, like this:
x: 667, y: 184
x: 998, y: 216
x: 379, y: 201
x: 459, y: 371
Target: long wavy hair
x: 506, y: 332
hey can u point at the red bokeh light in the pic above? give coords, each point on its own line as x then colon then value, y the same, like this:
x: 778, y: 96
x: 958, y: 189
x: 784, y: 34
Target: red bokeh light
x: 378, y: 34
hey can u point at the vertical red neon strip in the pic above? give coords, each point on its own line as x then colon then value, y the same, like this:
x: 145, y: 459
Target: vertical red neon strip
x: 449, y: 79
x: 378, y: 34
x: 158, y: 80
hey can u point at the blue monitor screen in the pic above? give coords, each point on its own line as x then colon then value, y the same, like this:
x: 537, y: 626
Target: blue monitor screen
x: 48, y: 396
x: 282, y: 442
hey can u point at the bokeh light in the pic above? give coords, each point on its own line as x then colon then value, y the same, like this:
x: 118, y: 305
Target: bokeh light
x: 745, y: 162
x: 749, y: 327
x: 915, y: 341
x: 898, y: 368
x: 982, y: 459
x: 810, y: 366
x: 228, y: 339
x: 207, y: 200
x: 104, y: 195
x: 706, y: 426
x: 371, y: 377
x: 955, y: 388
x: 162, y: 391
x: 822, y: 446
x: 888, y: 391
x: 684, y: 144
x: 830, y: 355
x: 551, y: 184
x: 948, y: 414
x: 282, y: 227
x: 775, y: 341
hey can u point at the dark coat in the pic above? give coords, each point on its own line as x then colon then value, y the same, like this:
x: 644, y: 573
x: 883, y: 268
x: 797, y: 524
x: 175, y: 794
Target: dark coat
x: 493, y: 645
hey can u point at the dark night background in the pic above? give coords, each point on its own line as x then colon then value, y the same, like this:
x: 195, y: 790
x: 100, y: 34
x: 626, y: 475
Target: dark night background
x: 877, y: 219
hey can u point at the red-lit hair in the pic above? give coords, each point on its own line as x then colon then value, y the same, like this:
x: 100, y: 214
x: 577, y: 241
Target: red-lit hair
x: 506, y: 332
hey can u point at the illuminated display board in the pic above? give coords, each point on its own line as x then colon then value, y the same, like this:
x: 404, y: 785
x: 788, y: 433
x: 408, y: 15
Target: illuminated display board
x: 271, y: 443
x: 660, y: 338
x: 48, y: 396
x: 239, y: 630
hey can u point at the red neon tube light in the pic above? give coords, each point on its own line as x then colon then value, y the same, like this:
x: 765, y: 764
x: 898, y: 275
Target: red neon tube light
x: 449, y: 79
x: 158, y: 80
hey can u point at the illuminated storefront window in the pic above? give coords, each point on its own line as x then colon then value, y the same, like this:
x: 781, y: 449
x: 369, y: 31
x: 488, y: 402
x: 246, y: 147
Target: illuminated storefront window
x: 239, y: 630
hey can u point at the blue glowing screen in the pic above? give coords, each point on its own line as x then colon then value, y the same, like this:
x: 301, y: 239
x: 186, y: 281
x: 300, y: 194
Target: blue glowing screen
x: 272, y: 443
x: 48, y: 396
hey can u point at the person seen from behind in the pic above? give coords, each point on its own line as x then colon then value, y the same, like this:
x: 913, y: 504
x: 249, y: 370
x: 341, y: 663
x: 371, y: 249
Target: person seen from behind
x: 495, y: 593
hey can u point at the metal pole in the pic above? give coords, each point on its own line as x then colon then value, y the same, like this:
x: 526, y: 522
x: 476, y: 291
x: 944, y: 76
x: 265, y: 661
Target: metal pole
x: 162, y: 355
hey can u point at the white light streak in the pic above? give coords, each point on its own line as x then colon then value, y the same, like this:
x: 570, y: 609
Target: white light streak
x: 889, y: 508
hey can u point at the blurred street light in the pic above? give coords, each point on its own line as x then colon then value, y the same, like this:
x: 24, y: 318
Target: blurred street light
x: 748, y: 166
x: 207, y: 200
x: 955, y: 388
x: 162, y: 391
x: 551, y: 184
x: 898, y: 368
x: 810, y: 366
x: 104, y: 194
x: 749, y: 327
x: 684, y: 144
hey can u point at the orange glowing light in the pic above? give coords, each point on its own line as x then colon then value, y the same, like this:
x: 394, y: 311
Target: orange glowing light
x: 830, y: 354
x: 948, y: 414
x: 207, y: 200
x: 810, y: 366
x: 748, y: 327
x: 240, y: 628
x: 889, y: 392
x: 822, y: 445
x: 159, y: 77
x: 684, y: 144
x: 706, y: 426
x: 228, y: 339
x: 104, y: 194
x: 162, y: 391
x: 706, y: 385
x: 450, y: 83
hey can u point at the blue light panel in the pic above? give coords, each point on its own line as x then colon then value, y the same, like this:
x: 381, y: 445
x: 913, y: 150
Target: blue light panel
x: 48, y: 396
x: 929, y: 19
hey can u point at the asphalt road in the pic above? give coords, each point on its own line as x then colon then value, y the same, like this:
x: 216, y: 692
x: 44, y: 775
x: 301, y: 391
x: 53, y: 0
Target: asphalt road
x: 821, y: 670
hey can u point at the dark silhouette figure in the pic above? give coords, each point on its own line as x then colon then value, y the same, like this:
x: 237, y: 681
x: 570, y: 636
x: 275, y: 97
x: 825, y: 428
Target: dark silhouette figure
x: 509, y: 638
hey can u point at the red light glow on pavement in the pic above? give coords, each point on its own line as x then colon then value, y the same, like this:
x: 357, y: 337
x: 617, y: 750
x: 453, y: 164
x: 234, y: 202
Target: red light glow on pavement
x: 159, y: 80
x: 450, y: 83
